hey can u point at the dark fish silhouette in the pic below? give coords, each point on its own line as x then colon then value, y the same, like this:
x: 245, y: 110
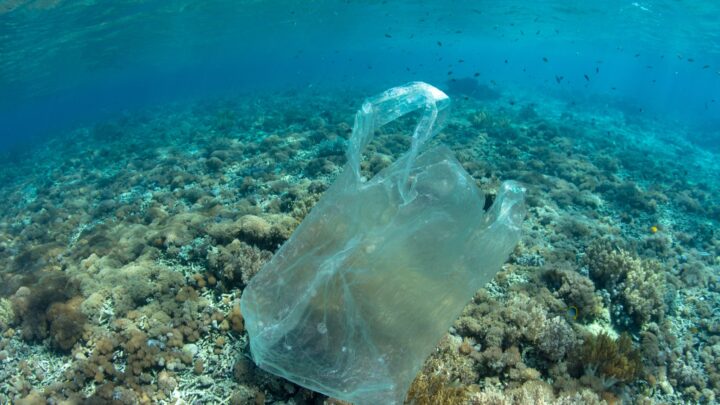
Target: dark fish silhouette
x: 545, y: 59
x: 586, y: 77
x: 439, y: 43
x: 472, y: 88
x: 388, y: 36
x: 559, y: 78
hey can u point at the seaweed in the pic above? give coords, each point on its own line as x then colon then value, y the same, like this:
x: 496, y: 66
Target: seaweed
x: 612, y: 361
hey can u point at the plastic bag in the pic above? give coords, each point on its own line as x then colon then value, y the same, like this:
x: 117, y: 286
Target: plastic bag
x: 353, y: 303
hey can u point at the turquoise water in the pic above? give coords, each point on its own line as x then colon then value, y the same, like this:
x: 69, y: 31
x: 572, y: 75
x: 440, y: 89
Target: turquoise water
x: 154, y: 155
x: 70, y: 61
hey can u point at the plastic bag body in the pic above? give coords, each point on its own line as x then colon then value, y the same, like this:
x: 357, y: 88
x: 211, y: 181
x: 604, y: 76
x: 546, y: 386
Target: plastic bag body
x: 353, y: 303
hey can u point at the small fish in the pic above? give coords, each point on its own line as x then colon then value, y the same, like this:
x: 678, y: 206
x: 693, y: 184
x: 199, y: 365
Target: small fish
x: 439, y: 43
x: 461, y: 60
x: 597, y: 70
x: 706, y: 66
x: 559, y: 78
x: 691, y: 60
x: 586, y: 77
x: 572, y: 312
x: 476, y: 74
x: 506, y: 61
x: 637, y: 55
x: 449, y: 72
x: 545, y: 59
x: 388, y: 36
x: 511, y: 102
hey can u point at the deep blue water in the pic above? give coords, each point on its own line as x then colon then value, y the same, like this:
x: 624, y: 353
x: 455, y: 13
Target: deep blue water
x: 64, y: 63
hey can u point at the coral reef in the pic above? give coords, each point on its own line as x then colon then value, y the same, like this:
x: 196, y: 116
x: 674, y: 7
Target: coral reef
x: 6, y: 314
x: 611, y: 361
x: 575, y: 290
x: 124, y: 254
x: 637, y: 285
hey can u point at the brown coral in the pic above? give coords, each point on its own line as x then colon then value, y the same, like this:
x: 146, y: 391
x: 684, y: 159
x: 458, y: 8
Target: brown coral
x: 435, y: 389
x: 237, y: 261
x: 644, y: 291
x: 637, y: 283
x: 576, y: 291
x: 67, y: 324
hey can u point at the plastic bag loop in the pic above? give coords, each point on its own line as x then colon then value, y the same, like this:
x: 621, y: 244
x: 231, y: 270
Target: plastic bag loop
x: 391, y: 105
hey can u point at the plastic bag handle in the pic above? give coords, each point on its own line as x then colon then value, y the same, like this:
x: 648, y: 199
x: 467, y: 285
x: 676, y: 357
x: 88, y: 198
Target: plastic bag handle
x: 391, y: 105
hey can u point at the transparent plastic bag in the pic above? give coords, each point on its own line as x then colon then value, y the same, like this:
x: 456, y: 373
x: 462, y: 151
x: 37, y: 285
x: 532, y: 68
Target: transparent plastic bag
x: 354, y: 302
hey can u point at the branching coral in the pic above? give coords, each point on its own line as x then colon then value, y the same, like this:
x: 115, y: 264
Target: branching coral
x: 236, y: 262
x: 608, y: 265
x: 445, y: 377
x: 638, y: 284
x: 435, y: 389
x: 576, y: 291
x: 67, y: 324
x: 6, y: 313
x: 45, y: 311
x: 532, y: 392
x: 556, y: 339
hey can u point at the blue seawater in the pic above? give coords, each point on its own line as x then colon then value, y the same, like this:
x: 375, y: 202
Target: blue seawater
x: 64, y: 62
x: 155, y: 154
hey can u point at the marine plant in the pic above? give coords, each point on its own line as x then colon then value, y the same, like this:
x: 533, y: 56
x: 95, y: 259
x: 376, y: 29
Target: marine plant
x: 430, y: 389
x: 610, y: 360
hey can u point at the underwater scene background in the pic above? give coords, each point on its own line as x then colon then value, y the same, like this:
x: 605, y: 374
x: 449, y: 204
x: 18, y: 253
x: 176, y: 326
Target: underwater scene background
x: 156, y: 153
